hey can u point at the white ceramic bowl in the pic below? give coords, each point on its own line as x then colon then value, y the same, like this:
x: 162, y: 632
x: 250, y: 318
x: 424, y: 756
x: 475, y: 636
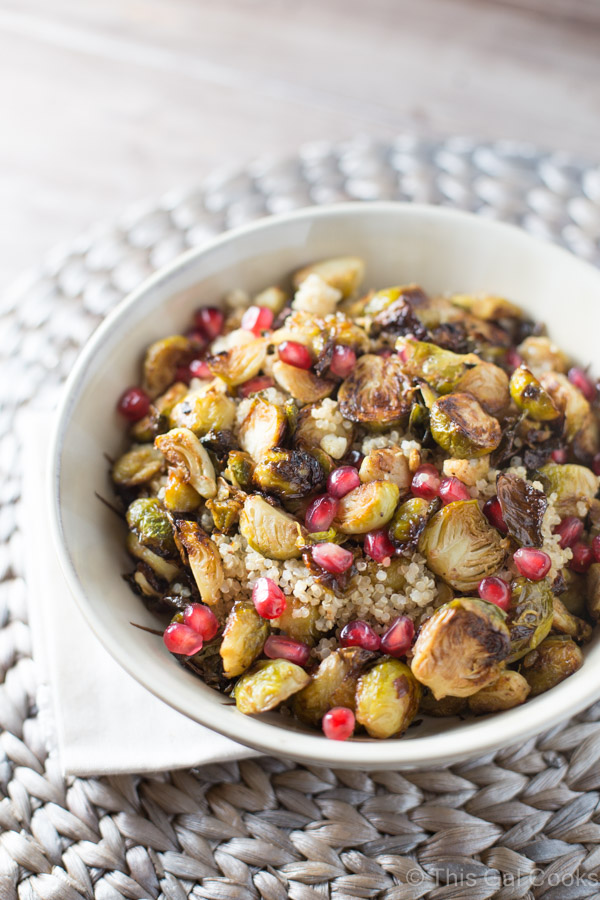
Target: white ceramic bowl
x: 441, y: 249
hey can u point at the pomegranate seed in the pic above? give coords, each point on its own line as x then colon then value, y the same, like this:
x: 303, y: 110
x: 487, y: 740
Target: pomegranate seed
x: 559, y: 456
x: 278, y: 646
x: 341, y: 481
x: 399, y: 636
x: 354, y: 458
x: 596, y: 548
x: 182, y: 639
x: 295, y: 354
x: 260, y: 383
x: 182, y: 373
x: 492, y: 510
x: 570, y: 530
x: 452, y: 489
x: 343, y: 361
x: 134, y: 404
x: 532, y: 564
x: 496, y: 591
x: 359, y: 634
x: 426, y: 482
x: 321, y: 513
x: 513, y: 359
x: 338, y: 723
x: 386, y: 353
x: 197, y: 338
x: 581, y: 381
x: 268, y: 598
x: 210, y: 321
x: 378, y: 545
x: 199, y: 369
x: 257, y: 319
x: 202, y: 620
x: 583, y: 557
x: 596, y: 464
x: 332, y: 558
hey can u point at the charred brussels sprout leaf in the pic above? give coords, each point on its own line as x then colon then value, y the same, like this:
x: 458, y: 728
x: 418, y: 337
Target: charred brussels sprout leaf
x: 268, y: 530
x: 397, y: 317
x: 462, y: 427
x: 203, y: 558
x: 137, y: 466
x: 367, y: 507
x: 441, y: 369
x: 243, y: 638
x: 288, y: 473
x: 268, y: 684
x: 572, y: 484
x: 510, y: 690
x: 555, y: 659
x: 387, y: 698
x: 377, y: 393
x: 182, y: 450
x: 151, y: 525
x: 529, y: 395
x: 333, y: 684
x: 461, y: 648
x: 530, y: 615
x: 523, y: 509
x: 162, y: 360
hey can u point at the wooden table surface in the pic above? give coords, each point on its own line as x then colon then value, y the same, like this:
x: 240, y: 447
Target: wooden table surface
x: 106, y: 102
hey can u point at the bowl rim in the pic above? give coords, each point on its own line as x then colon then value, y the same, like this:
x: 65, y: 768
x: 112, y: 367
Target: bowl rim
x: 484, y: 734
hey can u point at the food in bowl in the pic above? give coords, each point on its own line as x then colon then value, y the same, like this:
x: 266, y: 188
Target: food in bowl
x: 362, y: 506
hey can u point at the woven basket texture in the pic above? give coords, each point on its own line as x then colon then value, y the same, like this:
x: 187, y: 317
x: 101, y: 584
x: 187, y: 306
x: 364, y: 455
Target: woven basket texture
x: 521, y: 823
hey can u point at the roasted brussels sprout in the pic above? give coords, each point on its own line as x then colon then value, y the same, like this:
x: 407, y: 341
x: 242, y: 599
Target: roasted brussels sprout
x: 551, y: 662
x: 529, y: 617
x: 488, y: 384
x: 387, y: 698
x: 270, y: 683
x: 333, y: 684
x: 410, y: 520
x: 182, y: 450
x: 269, y: 530
x: 462, y: 427
x: 301, y: 327
x: 303, y: 385
x: 377, y: 393
x: 208, y: 409
x: 138, y: 466
x: 162, y: 360
x: 239, y: 470
x: 523, y: 509
x: 572, y: 591
x: 440, y: 368
x: 593, y: 591
x: 487, y: 306
x: 367, y: 507
x: 387, y: 464
x: 203, y: 558
x: 301, y: 627
x: 542, y: 355
x: 340, y: 330
x: 382, y: 300
x: 530, y: 397
x: 508, y: 691
x: 575, y: 487
x: 344, y: 273
x: 315, y: 430
x: 241, y: 363
x: 461, y: 546
x: 151, y: 525
x: 568, y: 400
x: 262, y: 427
x: 178, y: 495
x: 161, y: 567
x: 393, y: 313
x: 288, y: 473
x: 565, y: 622
x: 225, y: 512
x: 443, y: 708
x: 243, y: 638
x: 461, y: 648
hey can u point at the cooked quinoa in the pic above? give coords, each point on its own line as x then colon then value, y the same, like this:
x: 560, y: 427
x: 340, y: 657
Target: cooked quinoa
x: 336, y: 480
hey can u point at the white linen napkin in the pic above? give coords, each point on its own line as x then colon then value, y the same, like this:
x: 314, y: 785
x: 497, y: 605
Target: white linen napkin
x: 104, y: 722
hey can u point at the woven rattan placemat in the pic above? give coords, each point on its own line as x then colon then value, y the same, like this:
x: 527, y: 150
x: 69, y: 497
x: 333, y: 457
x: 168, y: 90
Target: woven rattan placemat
x: 521, y: 823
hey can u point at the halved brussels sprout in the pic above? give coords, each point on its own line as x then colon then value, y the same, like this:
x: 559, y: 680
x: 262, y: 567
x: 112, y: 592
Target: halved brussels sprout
x: 270, y: 683
x: 243, y: 638
x: 542, y: 355
x: 208, y: 409
x: 564, y: 622
x: 410, y: 520
x: 387, y: 698
x: 575, y: 487
x: 161, y: 567
x: 529, y: 395
x: 299, y: 627
x: 461, y: 546
x: 239, y: 470
x: 569, y: 400
x: 554, y: 660
x: 161, y: 362
x: 573, y: 592
x: 379, y: 301
x: 178, y: 495
x: 240, y: 363
x: 441, y: 369
x: 333, y: 684
x: 488, y: 384
x: 325, y: 431
x: 367, y: 507
x: 182, y: 450
x: 592, y: 592
x: 340, y: 330
x: 377, y: 393
x: 396, y: 317
x: 443, y: 708
x: 529, y: 617
x: 344, y: 273
x: 225, y: 512
x: 262, y: 428
x: 152, y: 526
x: 523, y: 509
x: 203, y: 558
x: 288, y: 473
x: 138, y: 466
x: 303, y: 385
x: 461, y: 648
x: 269, y: 530
x: 487, y: 306
x: 387, y: 464
x: 157, y: 420
x: 462, y: 427
x: 508, y: 691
